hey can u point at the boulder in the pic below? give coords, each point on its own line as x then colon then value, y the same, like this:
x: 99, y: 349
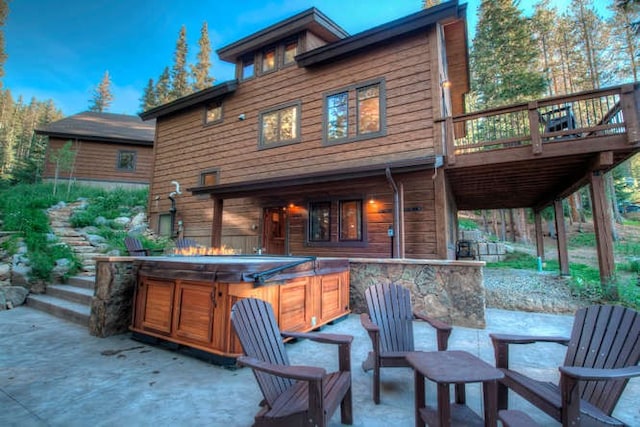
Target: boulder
x: 5, y: 271
x: 13, y: 296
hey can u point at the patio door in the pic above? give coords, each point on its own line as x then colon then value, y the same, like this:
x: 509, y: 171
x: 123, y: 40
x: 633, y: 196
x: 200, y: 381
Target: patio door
x: 274, y: 230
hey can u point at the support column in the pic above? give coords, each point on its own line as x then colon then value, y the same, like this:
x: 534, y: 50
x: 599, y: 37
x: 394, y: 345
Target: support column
x: 537, y: 215
x: 561, y: 233
x: 602, y: 226
x: 216, y: 226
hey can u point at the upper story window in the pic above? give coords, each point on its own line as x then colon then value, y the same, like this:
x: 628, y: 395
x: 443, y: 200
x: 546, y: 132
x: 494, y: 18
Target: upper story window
x: 248, y: 68
x: 290, y: 52
x: 209, y: 177
x: 356, y: 112
x: 280, y: 126
x: 126, y: 161
x: 269, y: 60
x: 213, y: 113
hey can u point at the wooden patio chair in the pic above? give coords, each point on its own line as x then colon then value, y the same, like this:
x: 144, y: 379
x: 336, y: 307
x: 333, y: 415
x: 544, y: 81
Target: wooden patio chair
x: 389, y: 324
x: 134, y: 247
x: 293, y: 395
x: 602, y: 355
x: 186, y: 243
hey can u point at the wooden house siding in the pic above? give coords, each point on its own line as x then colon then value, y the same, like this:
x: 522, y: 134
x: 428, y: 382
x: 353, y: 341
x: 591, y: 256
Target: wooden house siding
x: 97, y: 161
x: 404, y: 67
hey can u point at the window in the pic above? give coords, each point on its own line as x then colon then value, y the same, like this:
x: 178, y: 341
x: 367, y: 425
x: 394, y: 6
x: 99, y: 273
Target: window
x: 320, y: 222
x: 269, y: 60
x: 338, y: 116
x: 290, y: 52
x: 209, y: 177
x: 164, y: 224
x: 126, y: 161
x: 247, y: 67
x: 342, y: 124
x: 350, y: 220
x: 280, y: 126
x: 213, y: 113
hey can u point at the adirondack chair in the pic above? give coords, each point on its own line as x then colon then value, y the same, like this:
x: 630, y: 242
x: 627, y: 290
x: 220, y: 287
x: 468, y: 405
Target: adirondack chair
x: 602, y: 355
x: 293, y: 395
x: 134, y: 247
x: 389, y: 324
x: 185, y: 243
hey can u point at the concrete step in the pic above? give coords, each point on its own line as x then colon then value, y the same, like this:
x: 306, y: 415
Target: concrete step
x: 87, y: 282
x: 71, y: 311
x: 71, y: 293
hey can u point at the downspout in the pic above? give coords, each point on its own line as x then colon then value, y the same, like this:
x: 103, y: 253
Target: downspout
x: 396, y: 213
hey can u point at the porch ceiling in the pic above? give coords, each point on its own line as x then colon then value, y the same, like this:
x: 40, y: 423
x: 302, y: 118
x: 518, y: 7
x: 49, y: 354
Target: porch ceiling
x: 532, y: 182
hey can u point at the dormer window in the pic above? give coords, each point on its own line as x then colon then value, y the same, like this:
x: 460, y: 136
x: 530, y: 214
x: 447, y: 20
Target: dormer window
x: 247, y: 67
x: 213, y: 113
x: 269, y: 60
x: 290, y: 52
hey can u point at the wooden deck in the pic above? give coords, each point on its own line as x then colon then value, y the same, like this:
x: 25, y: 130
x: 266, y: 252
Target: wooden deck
x: 530, y: 154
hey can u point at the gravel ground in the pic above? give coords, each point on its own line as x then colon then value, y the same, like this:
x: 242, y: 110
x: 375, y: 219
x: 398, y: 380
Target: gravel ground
x: 524, y: 290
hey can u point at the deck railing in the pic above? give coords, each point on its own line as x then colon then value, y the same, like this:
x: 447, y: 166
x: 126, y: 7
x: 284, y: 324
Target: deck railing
x: 569, y: 117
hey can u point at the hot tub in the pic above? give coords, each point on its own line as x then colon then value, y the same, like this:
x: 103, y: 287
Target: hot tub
x: 187, y: 300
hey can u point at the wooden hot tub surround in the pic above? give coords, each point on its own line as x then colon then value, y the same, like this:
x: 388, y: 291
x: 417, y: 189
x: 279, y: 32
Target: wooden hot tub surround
x: 188, y: 300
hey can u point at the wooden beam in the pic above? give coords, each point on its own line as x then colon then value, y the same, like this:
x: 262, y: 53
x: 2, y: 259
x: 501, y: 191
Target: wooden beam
x: 602, y: 226
x: 216, y: 225
x: 534, y: 122
x: 561, y: 234
x: 630, y: 100
x: 537, y: 216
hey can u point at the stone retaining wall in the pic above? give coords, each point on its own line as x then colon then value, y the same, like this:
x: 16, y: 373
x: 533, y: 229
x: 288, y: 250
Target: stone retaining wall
x: 450, y: 291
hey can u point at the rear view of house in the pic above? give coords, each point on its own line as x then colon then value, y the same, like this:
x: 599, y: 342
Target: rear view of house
x: 110, y: 149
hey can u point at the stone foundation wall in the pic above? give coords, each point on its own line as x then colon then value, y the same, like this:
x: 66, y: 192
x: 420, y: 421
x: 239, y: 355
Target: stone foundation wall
x: 450, y: 291
x: 112, y: 304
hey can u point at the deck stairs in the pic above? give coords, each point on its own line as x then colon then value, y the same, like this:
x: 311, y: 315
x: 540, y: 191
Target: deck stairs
x: 71, y: 300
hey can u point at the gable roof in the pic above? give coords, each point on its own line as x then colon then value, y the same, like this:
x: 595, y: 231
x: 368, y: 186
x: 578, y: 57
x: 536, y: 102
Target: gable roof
x: 366, y: 39
x: 311, y: 19
x: 104, y: 127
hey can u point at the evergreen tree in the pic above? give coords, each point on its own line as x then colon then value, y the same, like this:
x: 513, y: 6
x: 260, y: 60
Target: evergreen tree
x: 543, y: 24
x: 149, y: 98
x: 179, y: 77
x: 426, y: 4
x: 163, y: 87
x: 631, y: 7
x: 504, y: 56
x: 625, y: 41
x: 592, y: 38
x: 200, y: 71
x: 102, y: 95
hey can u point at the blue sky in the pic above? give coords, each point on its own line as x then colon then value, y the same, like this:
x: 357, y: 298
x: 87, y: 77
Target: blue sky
x: 60, y: 49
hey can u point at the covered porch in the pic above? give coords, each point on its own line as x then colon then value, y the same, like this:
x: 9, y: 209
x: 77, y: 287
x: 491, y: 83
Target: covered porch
x: 535, y: 154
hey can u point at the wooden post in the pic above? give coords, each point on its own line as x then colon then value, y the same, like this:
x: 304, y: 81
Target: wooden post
x: 216, y: 228
x: 450, y: 140
x: 534, y: 127
x: 561, y: 233
x: 539, y: 234
x: 602, y: 226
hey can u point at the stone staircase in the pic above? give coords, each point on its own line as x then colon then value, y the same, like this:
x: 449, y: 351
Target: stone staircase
x: 70, y: 301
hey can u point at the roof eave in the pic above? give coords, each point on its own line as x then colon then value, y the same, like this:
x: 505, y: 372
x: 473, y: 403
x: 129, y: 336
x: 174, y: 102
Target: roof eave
x: 249, y: 188
x: 382, y: 33
x: 95, y: 138
x: 191, y: 100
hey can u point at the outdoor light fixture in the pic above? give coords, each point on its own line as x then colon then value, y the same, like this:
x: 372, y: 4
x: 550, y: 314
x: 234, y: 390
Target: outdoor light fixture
x: 446, y: 84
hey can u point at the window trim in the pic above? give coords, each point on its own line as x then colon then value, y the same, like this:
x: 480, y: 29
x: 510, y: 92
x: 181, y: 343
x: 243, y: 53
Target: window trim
x: 334, y: 214
x: 245, y: 59
x: 212, y: 171
x: 352, y: 126
x: 274, y: 49
x: 298, y: 137
x: 135, y: 161
x: 284, y: 44
x: 205, y: 114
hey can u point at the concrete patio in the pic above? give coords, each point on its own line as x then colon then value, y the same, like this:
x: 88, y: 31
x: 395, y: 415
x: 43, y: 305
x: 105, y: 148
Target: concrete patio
x: 53, y: 373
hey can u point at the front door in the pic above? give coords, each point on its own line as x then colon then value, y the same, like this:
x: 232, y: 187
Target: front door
x: 274, y: 231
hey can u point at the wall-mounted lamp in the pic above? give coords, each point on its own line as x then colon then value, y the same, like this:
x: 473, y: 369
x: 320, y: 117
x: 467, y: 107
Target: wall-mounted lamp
x: 371, y: 200
x: 446, y: 84
x: 241, y: 117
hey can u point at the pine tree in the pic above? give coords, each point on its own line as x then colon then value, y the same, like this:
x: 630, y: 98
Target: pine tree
x: 179, y: 77
x: 163, y: 87
x: 504, y: 56
x: 4, y: 11
x: 200, y: 71
x: 543, y: 24
x: 149, y: 97
x: 102, y: 95
x: 426, y: 4
x: 592, y: 39
x: 625, y: 41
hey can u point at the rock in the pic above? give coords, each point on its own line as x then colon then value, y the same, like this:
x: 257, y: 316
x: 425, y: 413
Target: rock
x: 137, y: 230
x: 122, y: 221
x: 5, y: 271
x: 101, y: 221
x: 61, y: 269
x: 20, y: 274
x: 95, y: 240
x: 138, y: 220
x: 13, y: 296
